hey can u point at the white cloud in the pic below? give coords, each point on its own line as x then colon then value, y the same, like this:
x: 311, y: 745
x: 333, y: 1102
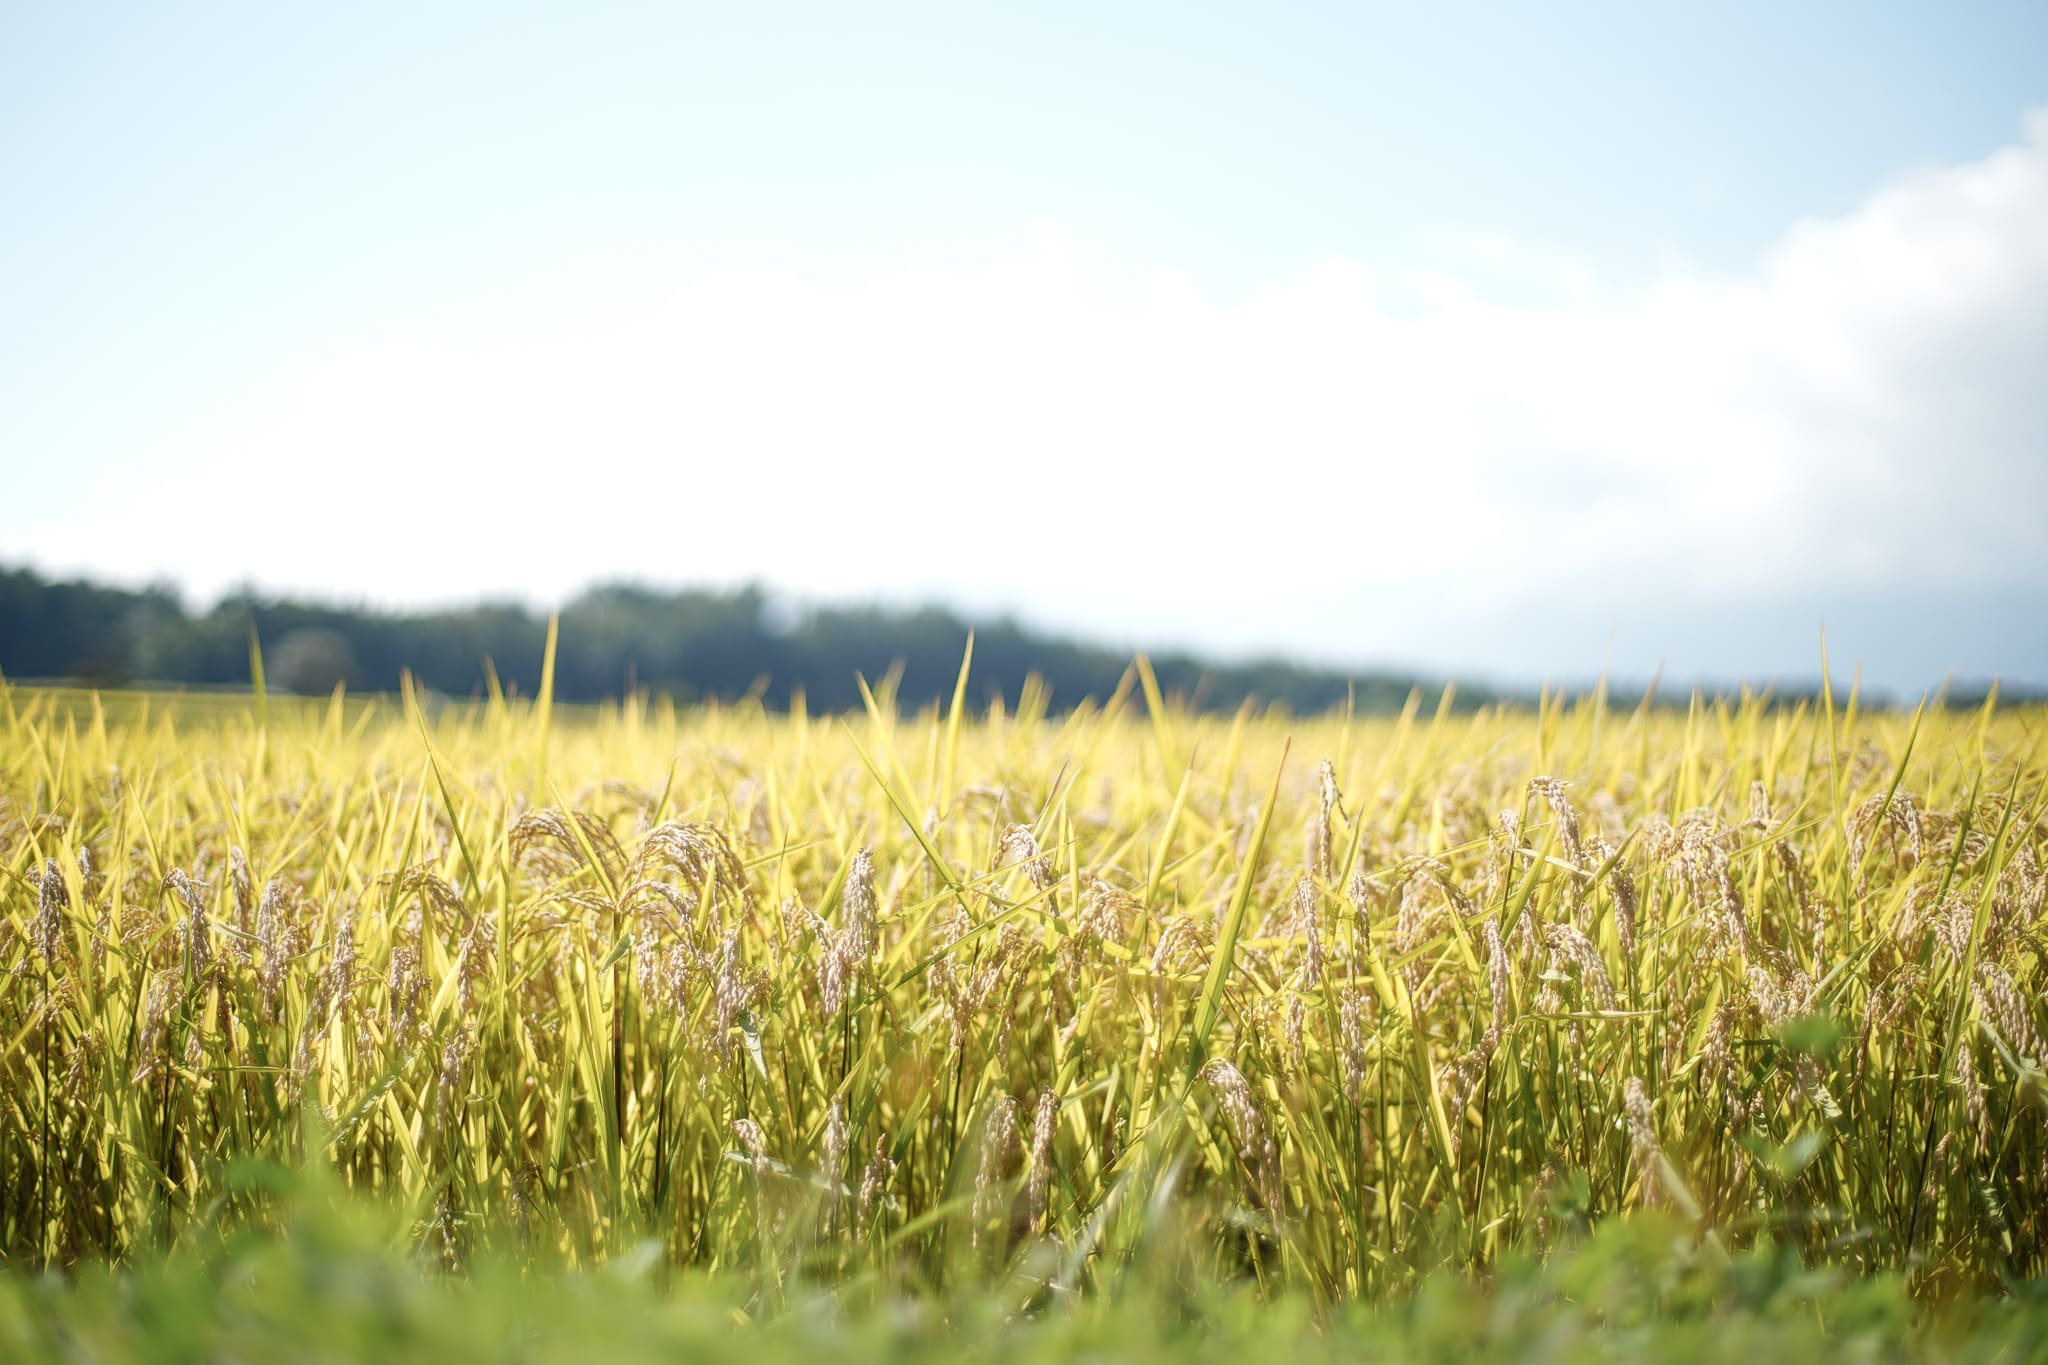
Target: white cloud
x: 1341, y: 461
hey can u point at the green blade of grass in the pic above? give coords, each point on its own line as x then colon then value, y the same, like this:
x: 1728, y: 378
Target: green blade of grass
x: 1211, y: 1003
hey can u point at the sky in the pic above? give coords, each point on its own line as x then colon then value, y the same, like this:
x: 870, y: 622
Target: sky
x: 1521, y: 342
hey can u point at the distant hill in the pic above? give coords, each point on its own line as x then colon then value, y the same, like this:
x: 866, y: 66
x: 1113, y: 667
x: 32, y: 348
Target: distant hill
x: 615, y: 639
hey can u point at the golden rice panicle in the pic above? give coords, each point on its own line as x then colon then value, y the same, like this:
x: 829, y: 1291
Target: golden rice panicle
x: 1759, y: 805
x: 46, y: 932
x: 1039, y: 1183
x: 1018, y: 847
x: 244, y: 885
x: 1254, y: 1139
x: 1355, y: 1022
x: 2005, y: 1009
x: 998, y: 1145
x: 198, y: 928
x: 875, y: 1179
x: 857, y: 905
x: 832, y: 1158
x: 1568, y: 945
x: 1552, y: 790
x: 1318, y: 847
x: 1642, y: 1133
x: 1497, y: 979
x: 1308, y: 917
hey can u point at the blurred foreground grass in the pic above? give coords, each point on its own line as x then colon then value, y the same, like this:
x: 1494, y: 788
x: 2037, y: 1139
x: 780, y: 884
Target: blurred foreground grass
x: 332, y: 1280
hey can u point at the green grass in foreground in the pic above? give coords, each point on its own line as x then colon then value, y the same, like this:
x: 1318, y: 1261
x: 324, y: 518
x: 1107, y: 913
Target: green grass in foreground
x: 331, y: 1281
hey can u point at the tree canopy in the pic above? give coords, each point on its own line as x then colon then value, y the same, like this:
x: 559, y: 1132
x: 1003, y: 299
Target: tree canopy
x: 616, y: 638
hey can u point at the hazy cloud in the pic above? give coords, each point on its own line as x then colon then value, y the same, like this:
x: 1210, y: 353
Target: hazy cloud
x: 1353, y: 463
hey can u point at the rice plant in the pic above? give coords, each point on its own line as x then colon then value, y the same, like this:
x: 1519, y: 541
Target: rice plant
x: 1029, y: 1000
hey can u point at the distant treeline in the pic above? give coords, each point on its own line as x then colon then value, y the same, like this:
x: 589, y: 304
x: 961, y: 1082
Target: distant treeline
x: 614, y: 639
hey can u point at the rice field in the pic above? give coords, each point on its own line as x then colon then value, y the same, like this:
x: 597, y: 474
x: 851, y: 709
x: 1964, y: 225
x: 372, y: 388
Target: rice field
x: 1028, y: 1005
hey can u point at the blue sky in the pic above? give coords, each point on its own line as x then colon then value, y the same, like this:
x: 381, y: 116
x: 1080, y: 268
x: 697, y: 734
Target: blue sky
x: 1463, y: 337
